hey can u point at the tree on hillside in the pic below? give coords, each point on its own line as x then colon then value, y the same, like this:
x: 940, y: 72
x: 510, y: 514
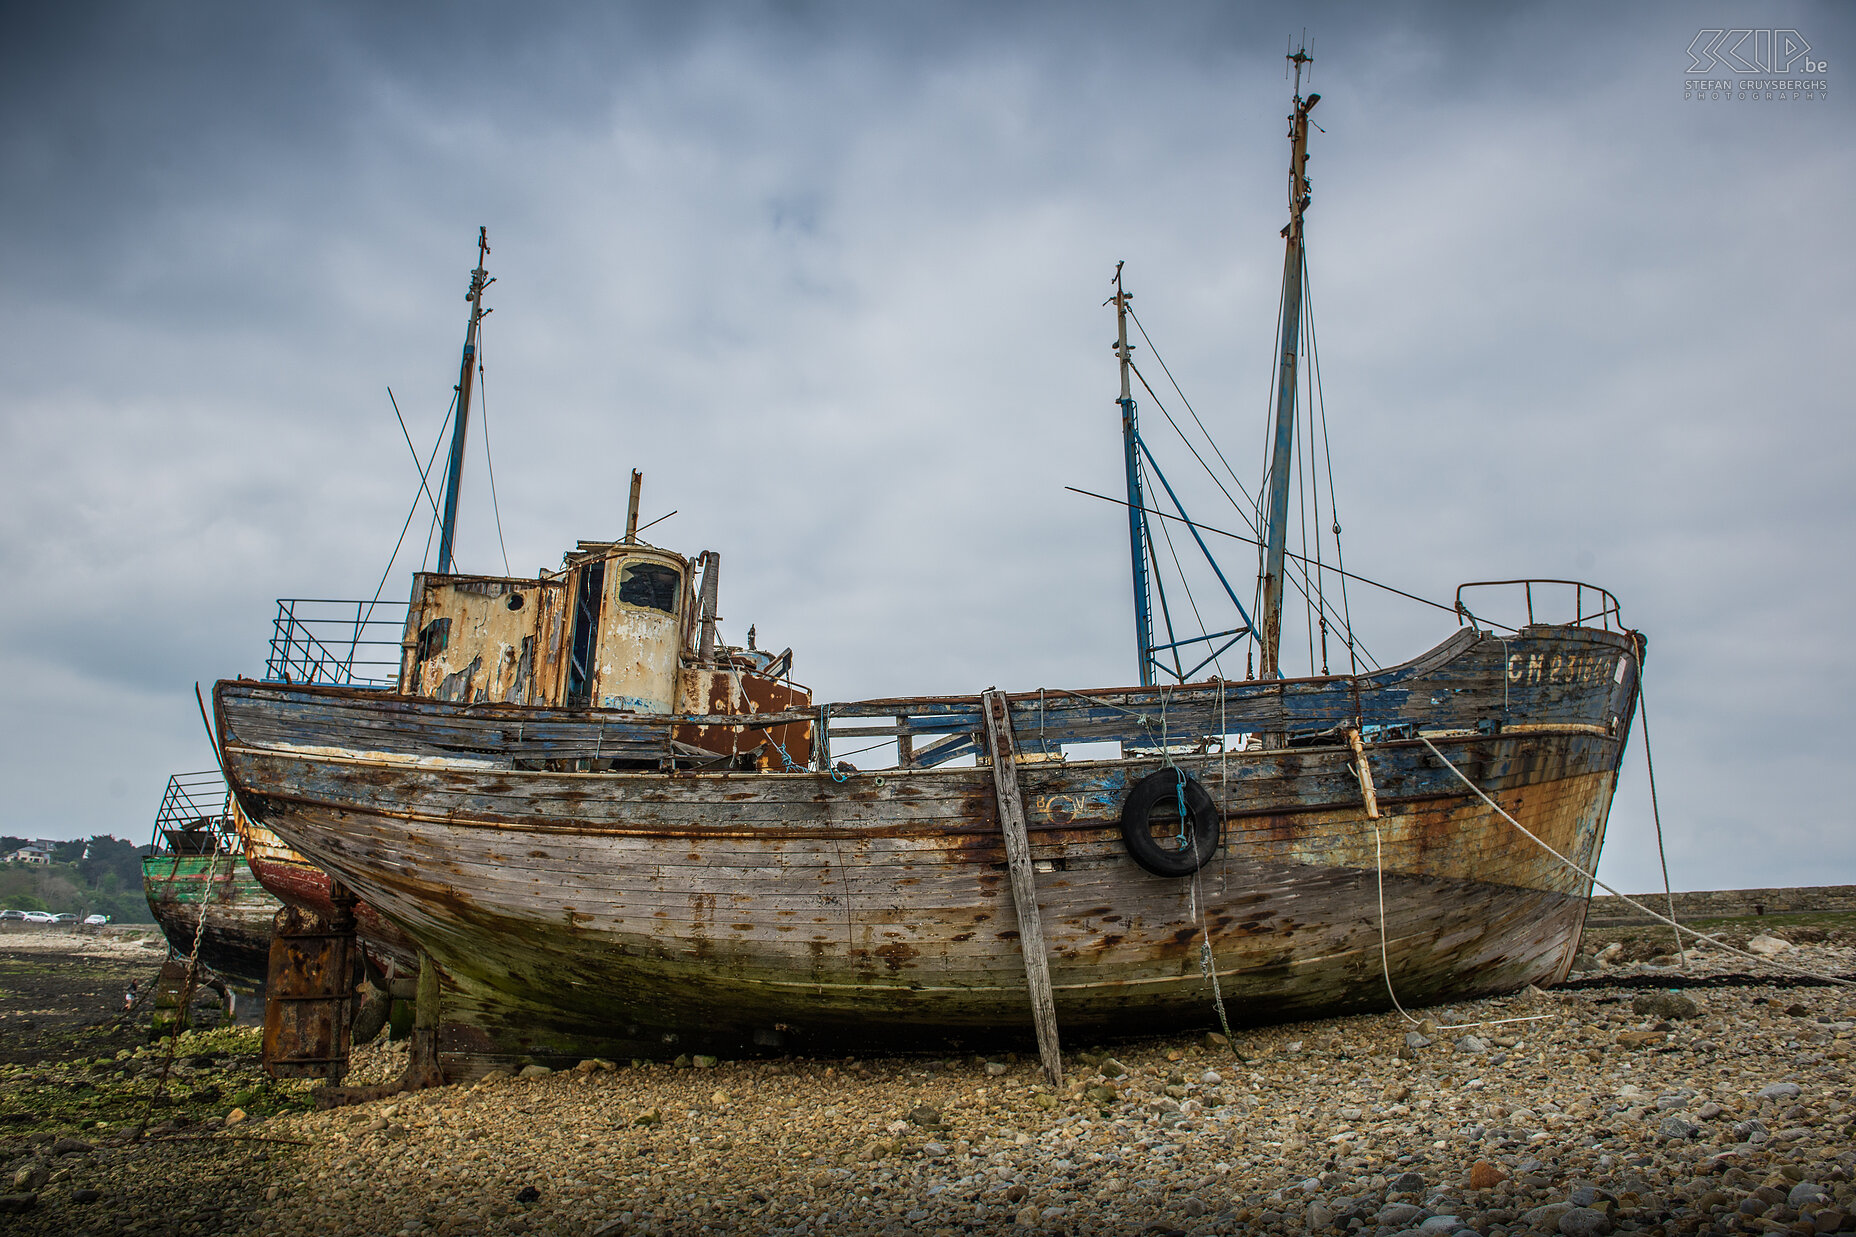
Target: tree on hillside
x: 68, y: 852
x: 109, y: 856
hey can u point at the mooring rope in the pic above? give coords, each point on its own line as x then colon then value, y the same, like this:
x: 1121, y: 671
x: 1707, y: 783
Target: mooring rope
x: 1385, y: 960
x: 1656, y: 814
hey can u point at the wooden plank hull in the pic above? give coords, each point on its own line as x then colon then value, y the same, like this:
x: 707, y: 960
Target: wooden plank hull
x: 656, y: 913
x: 237, y: 938
x: 295, y: 881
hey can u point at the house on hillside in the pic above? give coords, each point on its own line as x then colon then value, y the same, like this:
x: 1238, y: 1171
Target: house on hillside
x: 31, y: 852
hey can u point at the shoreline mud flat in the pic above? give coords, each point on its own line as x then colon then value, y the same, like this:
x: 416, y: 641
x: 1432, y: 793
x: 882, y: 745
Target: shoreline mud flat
x: 1616, y: 1107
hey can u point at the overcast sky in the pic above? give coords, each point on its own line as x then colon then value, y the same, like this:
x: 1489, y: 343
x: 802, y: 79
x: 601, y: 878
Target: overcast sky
x: 832, y: 277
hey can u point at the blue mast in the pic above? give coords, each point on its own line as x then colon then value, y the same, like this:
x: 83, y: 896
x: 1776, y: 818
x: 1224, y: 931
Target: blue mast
x: 454, y: 472
x: 1276, y: 528
x: 1137, y: 510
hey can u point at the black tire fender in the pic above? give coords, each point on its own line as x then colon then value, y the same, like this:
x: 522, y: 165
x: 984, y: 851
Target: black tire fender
x: 1136, y: 823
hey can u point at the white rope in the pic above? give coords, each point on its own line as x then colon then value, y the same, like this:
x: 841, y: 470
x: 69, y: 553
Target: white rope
x: 1385, y: 960
x: 1629, y: 901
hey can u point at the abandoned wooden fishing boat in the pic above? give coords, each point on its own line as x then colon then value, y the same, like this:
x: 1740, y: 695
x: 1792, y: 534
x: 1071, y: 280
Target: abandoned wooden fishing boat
x: 197, y: 871
x: 610, y: 833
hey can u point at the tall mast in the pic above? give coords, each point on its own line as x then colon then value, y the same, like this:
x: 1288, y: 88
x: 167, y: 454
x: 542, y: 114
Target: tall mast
x: 1137, y: 520
x: 467, y: 370
x: 1283, y: 449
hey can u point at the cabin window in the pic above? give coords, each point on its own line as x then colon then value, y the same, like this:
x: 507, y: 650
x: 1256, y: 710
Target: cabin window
x: 586, y: 629
x: 514, y: 602
x: 433, y: 638
x: 651, y: 585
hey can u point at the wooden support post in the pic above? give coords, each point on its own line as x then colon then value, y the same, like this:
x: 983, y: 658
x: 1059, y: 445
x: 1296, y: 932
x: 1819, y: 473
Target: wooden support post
x: 1004, y: 748
x: 422, y: 1068
x: 1365, y: 773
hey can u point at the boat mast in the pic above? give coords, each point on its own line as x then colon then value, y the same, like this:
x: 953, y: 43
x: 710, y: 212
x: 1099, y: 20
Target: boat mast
x: 454, y: 473
x: 1276, y: 529
x: 1137, y: 519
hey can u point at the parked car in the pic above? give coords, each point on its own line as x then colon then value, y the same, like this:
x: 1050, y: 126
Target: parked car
x: 64, y: 917
x: 38, y: 916
x: 96, y: 919
x: 12, y: 915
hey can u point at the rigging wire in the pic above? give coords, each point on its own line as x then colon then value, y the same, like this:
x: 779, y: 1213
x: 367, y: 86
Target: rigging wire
x: 1352, y: 575
x: 424, y: 490
x: 1166, y: 613
x: 1314, y: 490
x: 1195, y: 451
x: 1299, y: 452
x: 424, y: 469
x: 1179, y: 671
x: 1189, y: 408
x: 1340, y: 561
x: 483, y: 403
x: 1301, y: 586
x: 1312, y: 584
x: 1656, y: 813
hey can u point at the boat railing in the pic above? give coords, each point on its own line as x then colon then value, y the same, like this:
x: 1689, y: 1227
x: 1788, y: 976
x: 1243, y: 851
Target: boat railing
x: 921, y: 734
x: 1547, y: 601
x: 347, y: 643
x: 195, y: 816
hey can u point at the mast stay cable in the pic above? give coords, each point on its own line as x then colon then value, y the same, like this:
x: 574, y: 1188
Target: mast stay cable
x: 1352, y: 575
x: 1303, y: 585
x: 1320, y: 399
x: 483, y: 408
x: 423, y: 474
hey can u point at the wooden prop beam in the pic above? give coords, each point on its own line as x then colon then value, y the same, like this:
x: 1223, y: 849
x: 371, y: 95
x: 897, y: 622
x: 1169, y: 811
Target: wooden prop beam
x: 1004, y: 748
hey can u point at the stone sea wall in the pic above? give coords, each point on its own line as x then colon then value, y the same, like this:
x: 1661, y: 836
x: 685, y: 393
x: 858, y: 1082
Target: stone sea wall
x: 1610, y: 912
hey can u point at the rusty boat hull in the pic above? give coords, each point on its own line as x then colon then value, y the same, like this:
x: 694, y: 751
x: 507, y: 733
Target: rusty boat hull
x: 653, y: 913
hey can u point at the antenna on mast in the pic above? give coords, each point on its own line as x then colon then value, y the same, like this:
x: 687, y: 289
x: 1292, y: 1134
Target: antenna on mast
x: 454, y: 473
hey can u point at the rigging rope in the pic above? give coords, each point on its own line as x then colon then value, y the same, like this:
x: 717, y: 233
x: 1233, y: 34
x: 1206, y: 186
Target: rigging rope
x: 1297, y: 453
x: 1643, y: 723
x: 1189, y: 408
x: 1166, y: 611
x: 483, y: 402
x: 1178, y: 667
x: 1313, y: 491
x: 1320, y: 398
x: 1300, y: 562
x: 423, y: 474
x: 424, y: 469
x: 1312, y: 587
x: 1289, y: 555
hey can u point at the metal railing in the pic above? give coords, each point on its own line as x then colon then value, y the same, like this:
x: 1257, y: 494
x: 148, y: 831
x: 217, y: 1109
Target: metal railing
x: 349, y: 643
x: 1590, y: 603
x: 195, y: 817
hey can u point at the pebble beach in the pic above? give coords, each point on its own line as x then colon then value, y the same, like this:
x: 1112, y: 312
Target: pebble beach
x: 1622, y: 1104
